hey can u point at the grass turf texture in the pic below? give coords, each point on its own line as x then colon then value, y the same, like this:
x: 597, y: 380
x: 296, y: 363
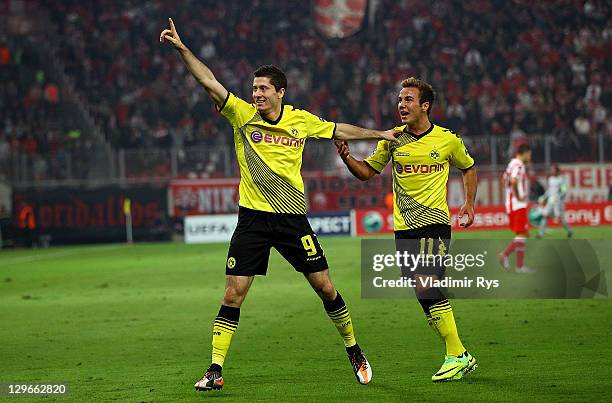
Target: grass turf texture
x: 133, y: 323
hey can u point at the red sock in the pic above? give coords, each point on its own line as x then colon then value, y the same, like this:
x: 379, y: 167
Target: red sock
x: 520, y: 252
x: 510, y: 248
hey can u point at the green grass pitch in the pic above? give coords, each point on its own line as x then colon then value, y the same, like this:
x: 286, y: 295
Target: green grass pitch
x: 133, y: 323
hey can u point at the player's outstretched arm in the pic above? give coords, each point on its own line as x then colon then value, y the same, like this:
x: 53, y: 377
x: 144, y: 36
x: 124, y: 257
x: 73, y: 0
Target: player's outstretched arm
x: 344, y: 131
x: 199, y: 70
x: 359, y: 169
x: 470, y: 185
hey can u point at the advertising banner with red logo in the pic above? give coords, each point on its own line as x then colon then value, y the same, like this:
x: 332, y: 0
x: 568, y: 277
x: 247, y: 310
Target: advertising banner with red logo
x: 578, y: 214
x: 333, y: 193
x: 76, y: 215
x: 199, y: 197
x: 324, y: 194
x: 380, y: 221
x: 587, y: 183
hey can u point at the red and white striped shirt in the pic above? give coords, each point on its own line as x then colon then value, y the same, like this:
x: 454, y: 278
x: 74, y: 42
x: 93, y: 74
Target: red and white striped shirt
x: 516, y: 169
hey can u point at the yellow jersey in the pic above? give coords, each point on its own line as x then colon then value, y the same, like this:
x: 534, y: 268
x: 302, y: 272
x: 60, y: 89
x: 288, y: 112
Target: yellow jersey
x: 270, y: 154
x: 421, y: 166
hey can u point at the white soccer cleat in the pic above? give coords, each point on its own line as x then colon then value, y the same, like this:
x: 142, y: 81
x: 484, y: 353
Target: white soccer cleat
x: 503, y: 260
x: 525, y: 270
x: 361, y: 367
x: 211, y: 380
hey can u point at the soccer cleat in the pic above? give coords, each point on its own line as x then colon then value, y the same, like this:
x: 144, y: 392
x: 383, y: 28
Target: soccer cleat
x: 503, y: 260
x: 361, y: 367
x: 525, y: 270
x: 212, y: 380
x: 454, y: 368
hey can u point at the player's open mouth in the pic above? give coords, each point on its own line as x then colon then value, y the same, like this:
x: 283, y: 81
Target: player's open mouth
x: 404, y: 114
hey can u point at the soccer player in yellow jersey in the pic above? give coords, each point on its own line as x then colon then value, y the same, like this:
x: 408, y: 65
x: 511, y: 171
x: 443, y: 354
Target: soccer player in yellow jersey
x: 420, y: 166
x: 269, y: 140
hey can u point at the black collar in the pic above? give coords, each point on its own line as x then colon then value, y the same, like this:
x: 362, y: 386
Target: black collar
x: 273, y: 122
x: 418, y: 136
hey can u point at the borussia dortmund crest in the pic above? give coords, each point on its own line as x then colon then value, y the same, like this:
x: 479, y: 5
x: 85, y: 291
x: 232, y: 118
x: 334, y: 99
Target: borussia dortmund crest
x: 434, y: 154
x: 294, y: 131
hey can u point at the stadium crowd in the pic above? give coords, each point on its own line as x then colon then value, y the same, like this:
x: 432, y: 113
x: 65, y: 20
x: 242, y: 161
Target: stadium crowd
x: 33, y: 118
x: 501, y: 68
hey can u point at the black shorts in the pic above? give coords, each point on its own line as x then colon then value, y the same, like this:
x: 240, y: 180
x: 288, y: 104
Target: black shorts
x: 432, y: 240
x: 258, y: 231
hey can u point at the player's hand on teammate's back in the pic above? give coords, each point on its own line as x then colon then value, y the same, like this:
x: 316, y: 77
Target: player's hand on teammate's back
x: 466, y: 209
x: 343, y: 149
x: 391, y: 135
x: 171, y: 35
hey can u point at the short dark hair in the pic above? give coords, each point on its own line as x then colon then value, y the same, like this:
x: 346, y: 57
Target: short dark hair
x: 523, y: 148
x: 426, y: 91
x: 276, y: 76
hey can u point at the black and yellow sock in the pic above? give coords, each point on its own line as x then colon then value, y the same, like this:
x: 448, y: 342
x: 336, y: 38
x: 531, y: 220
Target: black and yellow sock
x: 432, y: 324
x: 430, y: 297
x: 224, y: 327
x: 442, y: 320
x: 339, y: 314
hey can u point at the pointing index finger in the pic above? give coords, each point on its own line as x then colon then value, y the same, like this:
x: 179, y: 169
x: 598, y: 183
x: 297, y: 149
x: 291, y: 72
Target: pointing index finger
x: 172, y: 28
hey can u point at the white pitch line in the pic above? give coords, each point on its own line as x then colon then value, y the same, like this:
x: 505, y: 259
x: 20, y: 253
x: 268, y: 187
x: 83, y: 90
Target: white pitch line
x: 53, y: 255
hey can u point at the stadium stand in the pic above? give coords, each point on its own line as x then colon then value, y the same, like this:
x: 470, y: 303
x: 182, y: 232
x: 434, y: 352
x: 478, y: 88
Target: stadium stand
x: 502, y: 69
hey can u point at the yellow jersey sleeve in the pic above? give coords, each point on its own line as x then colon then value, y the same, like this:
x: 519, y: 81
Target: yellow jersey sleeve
x: 459, y: 156
x: 236, y: 110
x: 379, y: 157
x: 318, y: 127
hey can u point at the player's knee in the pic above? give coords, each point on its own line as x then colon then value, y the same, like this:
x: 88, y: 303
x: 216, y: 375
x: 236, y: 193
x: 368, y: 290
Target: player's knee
x: 329, y: 291
x: 326, y: 290
x: 420, y: 285
x: 429, y: 295
x: 420, y: 290
x: 233, y: 297
x: 425, y: 290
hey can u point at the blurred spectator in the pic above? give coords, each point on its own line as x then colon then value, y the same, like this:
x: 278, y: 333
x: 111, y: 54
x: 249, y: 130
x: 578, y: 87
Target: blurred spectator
x: 582, y: 125
x: 5, y: 55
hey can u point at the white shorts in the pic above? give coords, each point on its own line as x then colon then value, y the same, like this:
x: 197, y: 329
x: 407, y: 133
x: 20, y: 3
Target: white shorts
x: 554, y: 209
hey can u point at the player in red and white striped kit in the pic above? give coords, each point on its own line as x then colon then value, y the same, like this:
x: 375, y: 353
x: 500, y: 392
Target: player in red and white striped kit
x: 517, y: 194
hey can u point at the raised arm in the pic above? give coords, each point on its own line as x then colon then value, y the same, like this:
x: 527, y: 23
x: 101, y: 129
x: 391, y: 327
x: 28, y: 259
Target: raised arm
x: 199, y: 70
x: 359, y: 169
x: 345, y: 131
